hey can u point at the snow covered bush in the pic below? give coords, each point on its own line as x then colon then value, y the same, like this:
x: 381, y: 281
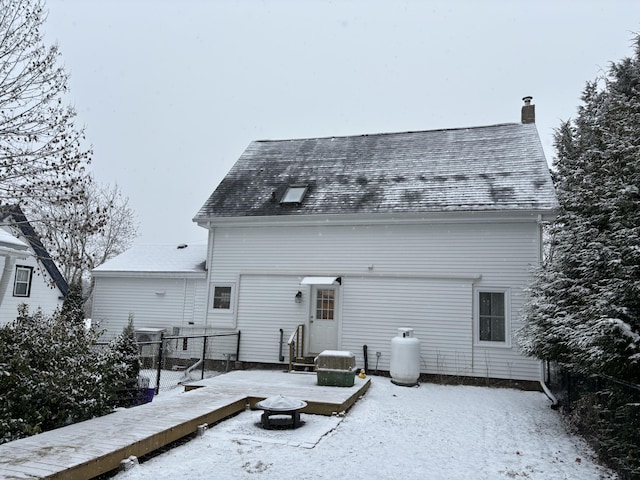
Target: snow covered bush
x: 53, y: 374
x: 584, y: 304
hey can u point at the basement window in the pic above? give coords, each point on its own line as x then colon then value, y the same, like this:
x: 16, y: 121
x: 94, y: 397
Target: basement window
x: 294, y: 194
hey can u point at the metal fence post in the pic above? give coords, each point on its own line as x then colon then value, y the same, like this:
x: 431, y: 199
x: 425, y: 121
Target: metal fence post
x: 238, y: 348
x: 160, y: 359
x: 204, y: 356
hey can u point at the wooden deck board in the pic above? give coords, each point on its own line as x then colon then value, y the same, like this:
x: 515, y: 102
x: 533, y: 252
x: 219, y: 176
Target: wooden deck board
x: 87, y: 449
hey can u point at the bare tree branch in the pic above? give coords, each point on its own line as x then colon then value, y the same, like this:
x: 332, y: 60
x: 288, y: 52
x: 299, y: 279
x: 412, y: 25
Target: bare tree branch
x: 84, y: 234
x: 41, y: 155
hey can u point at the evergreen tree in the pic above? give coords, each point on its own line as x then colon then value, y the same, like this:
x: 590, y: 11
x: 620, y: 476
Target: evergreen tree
x: 584, y: 305
x: 126, y: 357
x: 73, y: 305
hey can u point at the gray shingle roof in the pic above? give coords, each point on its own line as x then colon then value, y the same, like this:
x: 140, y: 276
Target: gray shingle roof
x: 493, y: 168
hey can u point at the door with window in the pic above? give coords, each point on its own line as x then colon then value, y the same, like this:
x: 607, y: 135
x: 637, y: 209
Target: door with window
x: 323, y: 319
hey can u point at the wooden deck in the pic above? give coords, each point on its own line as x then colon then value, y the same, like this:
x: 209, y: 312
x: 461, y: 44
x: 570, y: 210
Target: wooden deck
x: 88, y: 449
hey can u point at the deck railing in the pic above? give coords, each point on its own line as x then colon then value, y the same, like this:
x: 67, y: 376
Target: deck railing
x: 296, y: 345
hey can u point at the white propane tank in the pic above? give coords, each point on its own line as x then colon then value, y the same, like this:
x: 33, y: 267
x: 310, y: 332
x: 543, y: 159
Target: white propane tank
x: 405, y: 358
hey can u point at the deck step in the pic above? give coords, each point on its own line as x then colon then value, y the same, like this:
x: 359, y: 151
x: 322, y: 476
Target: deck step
x: 304, y: 364
x: 306, y: 360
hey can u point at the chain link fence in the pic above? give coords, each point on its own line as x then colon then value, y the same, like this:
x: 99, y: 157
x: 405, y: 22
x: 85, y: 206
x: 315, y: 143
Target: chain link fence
x: 175, y: 360
x: 605, y: 411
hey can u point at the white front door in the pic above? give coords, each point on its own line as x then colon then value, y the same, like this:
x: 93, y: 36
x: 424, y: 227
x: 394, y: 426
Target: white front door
x: 323, y: 319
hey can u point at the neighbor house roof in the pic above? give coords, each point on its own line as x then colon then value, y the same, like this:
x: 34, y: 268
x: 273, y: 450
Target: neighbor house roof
x: 19, y: 221
x: 493, y: 168
x: 9, y: 241
x: 184, y: 259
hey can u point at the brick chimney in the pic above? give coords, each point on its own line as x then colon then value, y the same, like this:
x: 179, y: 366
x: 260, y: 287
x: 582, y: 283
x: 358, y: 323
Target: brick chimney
x: 528, y: 111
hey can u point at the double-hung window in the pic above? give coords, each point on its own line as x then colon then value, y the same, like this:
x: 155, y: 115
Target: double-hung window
x: 492, y: 317
x: 22, y: 282
x: 222, y: 297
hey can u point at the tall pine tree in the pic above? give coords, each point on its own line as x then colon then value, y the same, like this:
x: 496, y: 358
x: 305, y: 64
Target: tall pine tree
x: 584, y: 305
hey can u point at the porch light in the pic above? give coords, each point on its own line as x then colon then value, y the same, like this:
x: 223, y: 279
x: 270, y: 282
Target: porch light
x: 298, y: 297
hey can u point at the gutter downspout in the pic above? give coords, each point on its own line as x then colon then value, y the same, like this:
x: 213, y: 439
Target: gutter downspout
x: 208, y: 266
x: 554, y: 401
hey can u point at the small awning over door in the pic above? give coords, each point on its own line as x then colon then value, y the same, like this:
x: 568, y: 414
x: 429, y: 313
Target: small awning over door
x: 321, y: 281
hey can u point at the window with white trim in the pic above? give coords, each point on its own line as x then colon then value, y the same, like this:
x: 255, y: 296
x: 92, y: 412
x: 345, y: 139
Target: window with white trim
x: 222, y: 297
x: 492, y: 316
x: 22, y: 282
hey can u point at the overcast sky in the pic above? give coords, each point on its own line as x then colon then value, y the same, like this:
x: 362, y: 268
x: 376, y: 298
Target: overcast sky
x: 171, y: 92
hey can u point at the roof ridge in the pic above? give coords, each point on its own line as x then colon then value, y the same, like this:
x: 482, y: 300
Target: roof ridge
x: 382, y: 134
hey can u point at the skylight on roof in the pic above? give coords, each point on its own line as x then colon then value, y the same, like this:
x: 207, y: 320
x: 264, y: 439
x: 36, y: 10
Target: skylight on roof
x: 294, y: 194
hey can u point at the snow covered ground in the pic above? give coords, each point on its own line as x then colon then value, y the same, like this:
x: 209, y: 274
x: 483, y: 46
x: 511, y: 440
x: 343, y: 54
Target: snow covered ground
x: 426, y: 432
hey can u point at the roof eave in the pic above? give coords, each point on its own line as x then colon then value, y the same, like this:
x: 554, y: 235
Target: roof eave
x: 458, y: 216
x: 148, y: 274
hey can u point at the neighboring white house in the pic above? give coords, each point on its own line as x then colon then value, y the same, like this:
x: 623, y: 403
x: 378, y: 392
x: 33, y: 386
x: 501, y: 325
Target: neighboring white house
x: 163, y: 287
x: 27, y: 273
x: 355, y: 237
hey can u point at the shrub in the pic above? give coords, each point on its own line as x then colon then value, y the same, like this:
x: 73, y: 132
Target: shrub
x: 52, y: 374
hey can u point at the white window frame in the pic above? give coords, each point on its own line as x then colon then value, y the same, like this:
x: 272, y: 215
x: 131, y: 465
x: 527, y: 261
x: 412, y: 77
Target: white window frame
x: 507, y: 317
x: 231, y: 286
x: 28, y: 282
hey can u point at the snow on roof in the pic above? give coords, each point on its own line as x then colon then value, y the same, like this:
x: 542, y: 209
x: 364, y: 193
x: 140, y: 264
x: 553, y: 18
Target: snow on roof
x: 8, y: 240
x: 184, y: 258
x: 492, y: 168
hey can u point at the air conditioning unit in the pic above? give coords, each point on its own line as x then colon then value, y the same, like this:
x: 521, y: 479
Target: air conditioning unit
x: 149, y: 335
x: 149, y: 343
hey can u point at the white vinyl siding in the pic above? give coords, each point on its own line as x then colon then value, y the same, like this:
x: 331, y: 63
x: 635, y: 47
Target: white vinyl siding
x: 42, y: 293
x: 153, y: 303
x: 439, y: 311
x: 268, y: 305
x: 406, y: 275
